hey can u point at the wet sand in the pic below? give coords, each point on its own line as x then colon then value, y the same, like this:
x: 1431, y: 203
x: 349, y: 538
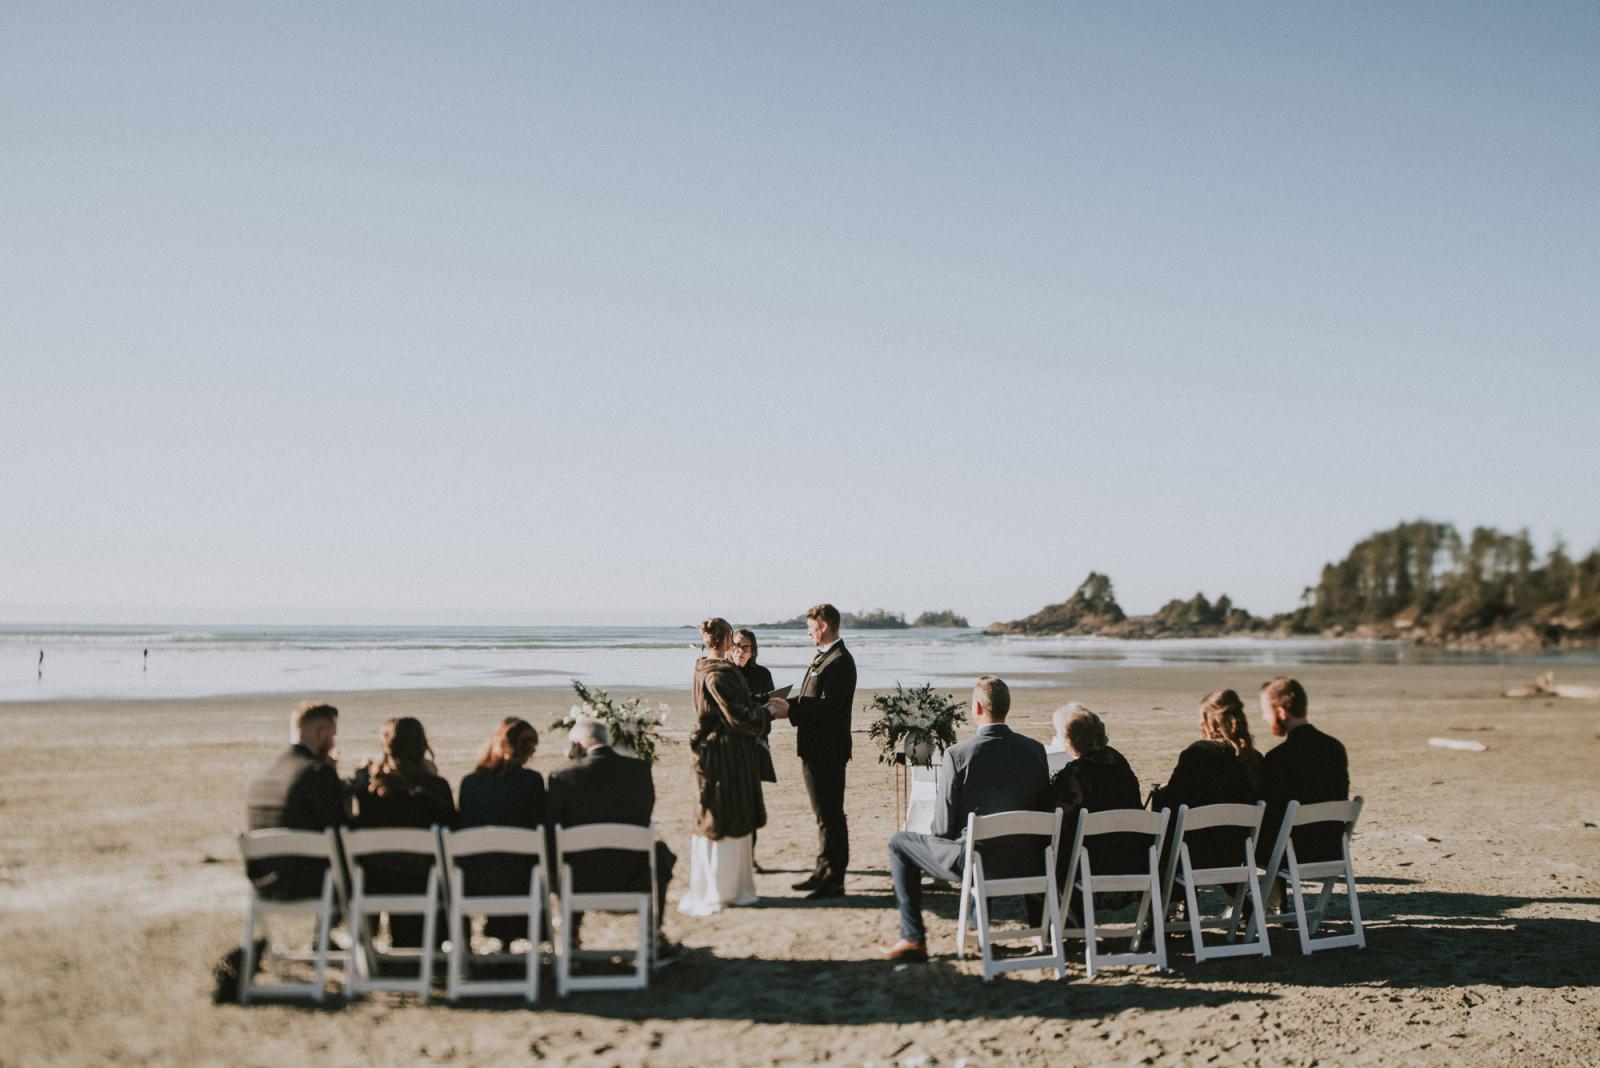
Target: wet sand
x: 1479, y: 874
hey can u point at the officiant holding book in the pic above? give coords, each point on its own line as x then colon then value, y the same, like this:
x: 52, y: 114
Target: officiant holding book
x: 821, y: 717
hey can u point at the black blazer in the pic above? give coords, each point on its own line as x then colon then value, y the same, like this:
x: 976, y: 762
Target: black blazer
x: 1208, y: 773
x: 821, y: 712
x: 1307, y: 766
x: 301, y: 793
x: 602, y: 786
x: 515, y: 799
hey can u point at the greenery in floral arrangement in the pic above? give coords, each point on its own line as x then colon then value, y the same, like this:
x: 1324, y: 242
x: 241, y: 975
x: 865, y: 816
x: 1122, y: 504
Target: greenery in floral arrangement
x: 920, y: 713
x: 634, y: 726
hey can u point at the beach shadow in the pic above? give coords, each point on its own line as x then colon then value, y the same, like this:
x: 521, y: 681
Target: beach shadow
x: 1425, y: 940
x: 704, y: 986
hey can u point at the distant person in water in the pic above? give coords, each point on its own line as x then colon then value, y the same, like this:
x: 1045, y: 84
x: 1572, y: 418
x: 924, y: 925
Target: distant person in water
x: 41, y: 663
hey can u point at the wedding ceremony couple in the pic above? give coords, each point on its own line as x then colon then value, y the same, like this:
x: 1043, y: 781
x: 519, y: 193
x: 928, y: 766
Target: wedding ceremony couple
x: 734, y: 708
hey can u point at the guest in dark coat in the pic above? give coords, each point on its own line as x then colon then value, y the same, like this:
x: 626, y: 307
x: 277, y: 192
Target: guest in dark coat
x: 759, y: 679
x: 503, y: 792
x: 1222, y: 768
x: 601, y: 785
x: 1096, y: 779
x: 299, y: 791
x: 1308, y: 766
x: 403, y: 790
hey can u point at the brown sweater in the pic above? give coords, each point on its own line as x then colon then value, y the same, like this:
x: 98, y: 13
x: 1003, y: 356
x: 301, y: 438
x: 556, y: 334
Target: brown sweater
x: 727, y: 763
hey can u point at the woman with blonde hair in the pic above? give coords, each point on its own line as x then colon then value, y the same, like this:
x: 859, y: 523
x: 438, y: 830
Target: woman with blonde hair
x: 1223, y: 767
x: 727, y: 775
x: 503, y: 792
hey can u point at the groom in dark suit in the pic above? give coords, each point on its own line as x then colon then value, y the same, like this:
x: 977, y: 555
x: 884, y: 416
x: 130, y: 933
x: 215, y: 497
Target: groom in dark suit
x: 821, y: 718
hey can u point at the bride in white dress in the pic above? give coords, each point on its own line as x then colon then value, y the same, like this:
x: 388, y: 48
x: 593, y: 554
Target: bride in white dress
x: 727, y: 772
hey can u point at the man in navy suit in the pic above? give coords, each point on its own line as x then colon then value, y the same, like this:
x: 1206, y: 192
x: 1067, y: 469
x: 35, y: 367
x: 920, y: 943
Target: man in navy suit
x: 996, y: 770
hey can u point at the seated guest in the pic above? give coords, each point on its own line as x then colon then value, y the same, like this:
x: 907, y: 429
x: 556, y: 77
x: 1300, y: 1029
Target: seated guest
x: 1095, y: 779
x: 996, y: 770
x: 603, y: 786
x: 1222, y: 768
x: 300, y: 790
x: 503, y: 792
x: 403, y: 790
x: 1308, y: 767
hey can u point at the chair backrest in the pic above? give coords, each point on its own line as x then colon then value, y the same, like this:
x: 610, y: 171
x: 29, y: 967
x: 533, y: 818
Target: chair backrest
x: 1345, y: 812
x: 629, y: 836
x: 281, y: 842
x: 370, y: 840
x: 1122, y: 821
x: 1206, y: 817
x: 1006, y: 824
x: 475, y: 841
x: 1055, y: 759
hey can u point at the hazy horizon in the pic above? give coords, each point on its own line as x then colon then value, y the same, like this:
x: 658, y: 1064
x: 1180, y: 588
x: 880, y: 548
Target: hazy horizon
x: 632, y: 314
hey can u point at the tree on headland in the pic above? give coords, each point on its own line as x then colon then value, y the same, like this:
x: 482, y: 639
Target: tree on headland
x: 947, y: 618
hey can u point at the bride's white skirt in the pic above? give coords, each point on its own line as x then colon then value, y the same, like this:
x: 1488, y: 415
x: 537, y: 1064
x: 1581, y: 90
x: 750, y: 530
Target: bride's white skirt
x: 721, y: 873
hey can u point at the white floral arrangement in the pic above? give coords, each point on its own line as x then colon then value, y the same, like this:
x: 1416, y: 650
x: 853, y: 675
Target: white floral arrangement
x: 635, y: 726
x: 913, y: 717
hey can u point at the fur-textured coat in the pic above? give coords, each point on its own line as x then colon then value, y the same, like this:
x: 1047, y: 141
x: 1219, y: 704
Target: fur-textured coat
x: 727, y: 762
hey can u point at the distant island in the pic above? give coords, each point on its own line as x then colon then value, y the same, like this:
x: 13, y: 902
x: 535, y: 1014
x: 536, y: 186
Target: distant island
x: 875, y: 619
x: 1420, y: 582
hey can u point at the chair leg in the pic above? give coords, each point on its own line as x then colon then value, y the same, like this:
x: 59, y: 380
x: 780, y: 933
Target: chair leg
x: 1298, y: 892
x: 1090, y: 943
x: 247, y: 967
x: 324, y: 933
x: 1159, y: 930
x: 1236, y: 909
x: 455, y: 962
x: 1052, y: 914
x: 1196, y: 931
x: 534, y: 914
x: 985, y: 950
x: 430, y: 924
x: 1355, y: 906
x: 961, y: 912
x: 360, y: 948
x: 1257, y: 899
x: 1323, y: 900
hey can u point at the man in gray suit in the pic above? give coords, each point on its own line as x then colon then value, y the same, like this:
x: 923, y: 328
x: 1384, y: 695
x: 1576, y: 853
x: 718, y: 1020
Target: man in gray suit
x: 996, y: 770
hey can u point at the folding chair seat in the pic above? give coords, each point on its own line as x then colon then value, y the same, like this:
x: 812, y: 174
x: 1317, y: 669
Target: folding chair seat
x: 279, y: 843
x: 1146, y: 883
x: 405, y: 841
x: 978, y: 889
x: 1286, y: 867
x: 1240, y: 877
x: 609, y: 836
x: 456, y: 846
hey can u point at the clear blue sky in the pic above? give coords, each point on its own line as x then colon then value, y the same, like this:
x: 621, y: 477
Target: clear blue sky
x: 590, y: 313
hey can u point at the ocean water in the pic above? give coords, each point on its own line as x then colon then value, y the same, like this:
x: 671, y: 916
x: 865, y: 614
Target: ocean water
x: 199, y: 661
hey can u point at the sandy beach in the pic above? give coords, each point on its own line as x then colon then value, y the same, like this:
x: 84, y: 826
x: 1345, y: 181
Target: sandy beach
x: 1480, y: 882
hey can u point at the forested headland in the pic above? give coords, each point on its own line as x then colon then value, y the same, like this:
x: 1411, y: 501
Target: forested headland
x: 1420, y: 581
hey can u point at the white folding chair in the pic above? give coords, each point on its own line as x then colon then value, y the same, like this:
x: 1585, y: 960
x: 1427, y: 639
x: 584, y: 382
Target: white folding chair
x: 276, y: 843
x: 1147, y: 884
x: 1286, y: 866
x: 1240, y: 877
x: 621, y: 836
x: 412, y: 841
x: 977, y: 890
x: 456, y: 846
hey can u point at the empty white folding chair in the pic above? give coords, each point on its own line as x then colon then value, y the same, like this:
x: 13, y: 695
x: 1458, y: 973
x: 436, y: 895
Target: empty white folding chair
x: 1240, y: 878
x: 1146, y: 883
x: 610, y: 836
x: 978, y: 889
x: 456, y: 846
x: 276, y: 843
x: 1285, y: 866
x: 412, y: 841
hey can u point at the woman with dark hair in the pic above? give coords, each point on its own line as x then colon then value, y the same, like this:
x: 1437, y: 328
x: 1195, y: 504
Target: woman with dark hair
x: 503, y: 792
x: 727, y: 774
x: 759, y: 679
x: 1223, y: 767
x: 403, y: 790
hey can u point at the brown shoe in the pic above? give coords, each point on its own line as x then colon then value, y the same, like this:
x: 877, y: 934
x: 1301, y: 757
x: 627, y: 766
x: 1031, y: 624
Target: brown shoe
x: 904, y: 950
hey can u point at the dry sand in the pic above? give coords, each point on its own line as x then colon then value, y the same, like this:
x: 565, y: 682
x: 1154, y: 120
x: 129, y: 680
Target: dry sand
x: 1480, y: 881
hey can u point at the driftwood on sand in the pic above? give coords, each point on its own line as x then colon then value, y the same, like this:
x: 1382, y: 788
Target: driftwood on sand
x: 1545, y: 686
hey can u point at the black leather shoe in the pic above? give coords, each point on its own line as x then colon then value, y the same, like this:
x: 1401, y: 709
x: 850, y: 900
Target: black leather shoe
x: 826, y: 890
x: 810, y: 882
